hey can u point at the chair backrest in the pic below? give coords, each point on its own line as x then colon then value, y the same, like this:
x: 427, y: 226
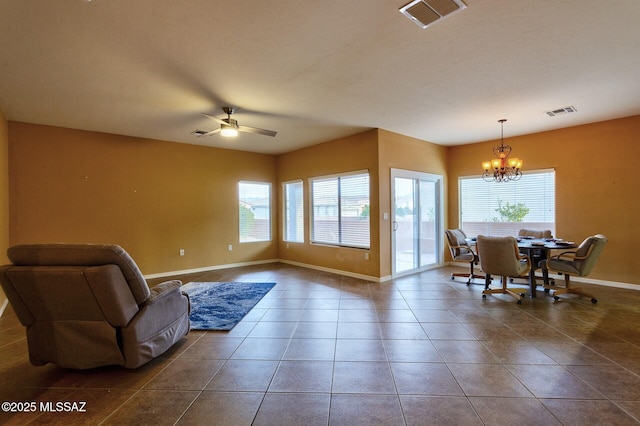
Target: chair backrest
x: 72, y: 298
x: 535, y: 233
x: 590, y: 249
x: 82, y: 255
x: 73, y: 282
x: 457, y: 240
x: 499, y: 256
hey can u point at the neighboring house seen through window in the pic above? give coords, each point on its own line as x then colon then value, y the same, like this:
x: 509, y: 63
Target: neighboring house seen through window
x: 255, y: 211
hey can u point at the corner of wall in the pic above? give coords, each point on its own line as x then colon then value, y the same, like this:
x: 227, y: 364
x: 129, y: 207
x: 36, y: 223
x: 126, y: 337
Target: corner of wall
x: 4, y: 198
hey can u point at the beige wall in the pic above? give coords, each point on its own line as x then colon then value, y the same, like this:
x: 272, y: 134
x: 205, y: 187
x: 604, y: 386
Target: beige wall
x: 357, y: 152
x: 4, y: 196
x: 151, y: 197
x: 155, y: 197
x: 402, y: 152
x: 596, y: 185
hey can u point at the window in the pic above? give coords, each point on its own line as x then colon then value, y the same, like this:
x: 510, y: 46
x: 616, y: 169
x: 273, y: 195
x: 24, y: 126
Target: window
x: 502, y: 209
x: 293, y: 212
x: 340, y: 210
x: 255, y: 211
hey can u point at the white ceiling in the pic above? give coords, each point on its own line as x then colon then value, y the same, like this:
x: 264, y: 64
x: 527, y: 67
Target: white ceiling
x: 316, y: 70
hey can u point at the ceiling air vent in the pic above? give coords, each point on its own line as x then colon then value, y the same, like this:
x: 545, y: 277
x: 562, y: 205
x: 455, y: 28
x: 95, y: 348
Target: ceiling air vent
x: 561, y: 111
x: 426, y: 12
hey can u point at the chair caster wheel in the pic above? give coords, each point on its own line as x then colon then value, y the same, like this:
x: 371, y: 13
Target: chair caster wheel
x: 519, y: 302
x: 556, y: 298
x: 547, y: 290
x: 523, y: 294
x: 594, y: 300
x: 484, y: 296
x: 452, y: 278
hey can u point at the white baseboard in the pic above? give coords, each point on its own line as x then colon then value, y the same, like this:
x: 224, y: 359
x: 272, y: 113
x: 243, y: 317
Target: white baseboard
x: 584, y: 280
x: 331, y: 270
x: 208, y: 268
x: 360, y: 276
x: 260, y: 262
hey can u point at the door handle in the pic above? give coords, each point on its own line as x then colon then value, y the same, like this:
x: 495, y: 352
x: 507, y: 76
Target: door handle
x: 395, y: 225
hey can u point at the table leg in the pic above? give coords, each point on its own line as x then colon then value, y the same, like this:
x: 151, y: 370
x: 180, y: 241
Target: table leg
x: 532, y: 282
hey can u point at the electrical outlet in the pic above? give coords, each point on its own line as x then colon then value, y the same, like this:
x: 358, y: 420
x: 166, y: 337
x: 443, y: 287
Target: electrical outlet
x: 181, y: 252
x: 230, y: 247
x: 366, y: 255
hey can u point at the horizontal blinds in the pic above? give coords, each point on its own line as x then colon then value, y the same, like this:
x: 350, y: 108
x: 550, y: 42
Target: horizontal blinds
x: 500, y: 209
x: 340, y: 210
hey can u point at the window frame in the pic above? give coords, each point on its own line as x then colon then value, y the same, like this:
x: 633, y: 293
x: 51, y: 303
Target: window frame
x: 300, y: 227
x: 312, y: 210
x: 546, y: 220
x: 269, y: 217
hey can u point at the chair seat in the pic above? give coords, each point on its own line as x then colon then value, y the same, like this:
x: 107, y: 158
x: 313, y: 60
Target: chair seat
x: 564, y: 266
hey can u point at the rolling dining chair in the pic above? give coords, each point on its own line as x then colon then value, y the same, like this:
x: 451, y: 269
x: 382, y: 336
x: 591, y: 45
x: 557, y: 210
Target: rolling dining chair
x: 579, y: 263
x: 536, y: 255
x: 535, y: 233
x: 462, y: 251
x: 500, y: 256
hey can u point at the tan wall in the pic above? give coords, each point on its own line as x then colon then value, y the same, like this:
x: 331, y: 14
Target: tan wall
x: 402, y: 152
x: 596, y: 185
x: 4, y: 196
x: 352, y: 153
x: 155, y: 197
x: 151, y: 197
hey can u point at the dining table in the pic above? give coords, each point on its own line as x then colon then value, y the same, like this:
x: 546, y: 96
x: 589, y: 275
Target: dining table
x: 542, y: 248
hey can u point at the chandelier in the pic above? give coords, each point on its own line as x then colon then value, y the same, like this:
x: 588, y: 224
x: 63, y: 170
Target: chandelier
x: 502, y: 168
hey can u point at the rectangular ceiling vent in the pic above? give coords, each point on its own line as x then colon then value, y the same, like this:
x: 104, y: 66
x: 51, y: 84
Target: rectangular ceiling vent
x: 426, y: 12
x: 561, y: 111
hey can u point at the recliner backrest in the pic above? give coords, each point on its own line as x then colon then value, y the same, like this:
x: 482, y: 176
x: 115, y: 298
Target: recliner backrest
x: 69, y: 293
x: 83, y: 255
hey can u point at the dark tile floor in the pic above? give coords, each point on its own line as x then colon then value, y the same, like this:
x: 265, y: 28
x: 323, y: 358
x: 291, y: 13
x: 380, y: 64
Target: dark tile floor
x: 322, y: 349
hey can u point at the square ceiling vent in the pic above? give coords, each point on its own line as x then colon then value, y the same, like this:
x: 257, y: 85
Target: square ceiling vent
x: 426, y: 12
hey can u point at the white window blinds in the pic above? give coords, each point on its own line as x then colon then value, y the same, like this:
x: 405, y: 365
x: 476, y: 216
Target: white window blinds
x: 340, y: 210
x: 501, y: 209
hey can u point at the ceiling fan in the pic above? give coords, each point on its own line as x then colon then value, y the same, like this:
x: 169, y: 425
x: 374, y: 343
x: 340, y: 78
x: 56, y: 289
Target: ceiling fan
x: 230, y: 127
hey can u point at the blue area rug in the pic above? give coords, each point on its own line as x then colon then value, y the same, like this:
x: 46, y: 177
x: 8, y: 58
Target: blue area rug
x: 220, y: 306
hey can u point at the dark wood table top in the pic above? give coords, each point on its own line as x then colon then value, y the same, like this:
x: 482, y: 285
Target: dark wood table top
x: 548, y: 244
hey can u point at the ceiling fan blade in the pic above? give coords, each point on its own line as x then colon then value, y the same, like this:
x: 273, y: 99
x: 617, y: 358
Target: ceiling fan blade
x: 247, y: 129
x: 201, y: 133
x: 214, y: 118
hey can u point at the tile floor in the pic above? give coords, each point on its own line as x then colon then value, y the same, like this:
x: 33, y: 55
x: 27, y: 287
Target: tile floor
x: 322, y: 349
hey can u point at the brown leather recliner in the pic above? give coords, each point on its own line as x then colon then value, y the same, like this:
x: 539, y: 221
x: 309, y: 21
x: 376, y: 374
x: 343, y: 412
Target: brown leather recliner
x: 87, y: 305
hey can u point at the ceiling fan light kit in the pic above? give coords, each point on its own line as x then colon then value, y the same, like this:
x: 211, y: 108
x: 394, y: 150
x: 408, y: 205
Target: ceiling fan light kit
x: 229, y: 131
x: 230, y: 127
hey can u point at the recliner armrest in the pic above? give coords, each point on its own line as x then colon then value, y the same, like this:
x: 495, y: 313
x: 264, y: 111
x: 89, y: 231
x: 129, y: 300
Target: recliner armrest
x: 162, y: 290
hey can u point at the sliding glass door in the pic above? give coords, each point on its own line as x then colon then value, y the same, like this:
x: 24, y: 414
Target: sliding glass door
x: 416, y: 220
